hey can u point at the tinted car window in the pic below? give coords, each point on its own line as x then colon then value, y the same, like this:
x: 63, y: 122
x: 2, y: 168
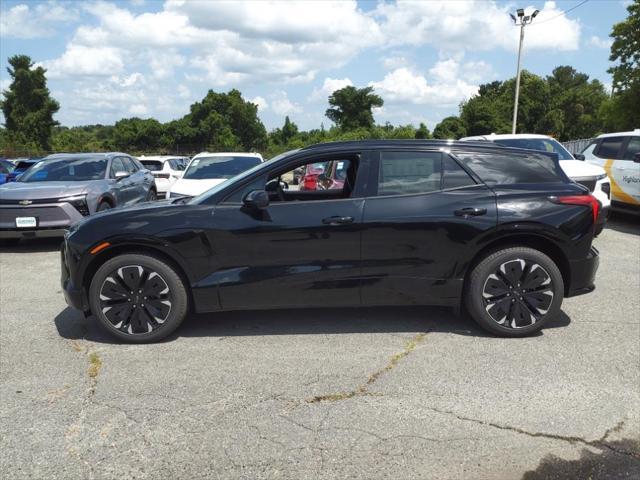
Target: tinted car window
x: 219, y: 166
x: 632, y: 148
x: 543, y: 144
x: 153, y: 165
x: 610, y: 147
x: 501, y: 168
x: 117, y: 166
x: 67, y: 170
x: 404, y: 173
x: 453, y: 175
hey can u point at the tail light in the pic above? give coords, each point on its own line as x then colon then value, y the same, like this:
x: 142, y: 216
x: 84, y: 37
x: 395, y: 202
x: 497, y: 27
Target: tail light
x: 161, y: 175
x: 586, y: 200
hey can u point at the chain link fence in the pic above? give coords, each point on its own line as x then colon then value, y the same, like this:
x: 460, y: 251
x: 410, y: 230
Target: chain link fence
x: 577, y: 146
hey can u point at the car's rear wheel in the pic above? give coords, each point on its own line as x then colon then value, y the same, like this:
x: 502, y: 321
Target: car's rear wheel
x: 513, y: 292
x: 138, y: 298
x: 152, y: 195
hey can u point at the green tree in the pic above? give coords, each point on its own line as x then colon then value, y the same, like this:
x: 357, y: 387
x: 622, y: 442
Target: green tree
x: 27, y: 105
x: 422, y: 132
x: 623, y: 111
x: 226, y: 120
x: 450, y: 127
x: 352, y: 108
x: 289, y: 130
x: 137, y: 135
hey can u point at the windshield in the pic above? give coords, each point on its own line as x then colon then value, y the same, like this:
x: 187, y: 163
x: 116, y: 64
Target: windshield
x: 66, y: 170
x: 238, y: 178
x: 153, y: 165
x: 544, y: 144
x: 219, y: 167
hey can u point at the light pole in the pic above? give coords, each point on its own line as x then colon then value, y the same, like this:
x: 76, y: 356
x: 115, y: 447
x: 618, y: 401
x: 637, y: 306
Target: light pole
x: 522, y: 20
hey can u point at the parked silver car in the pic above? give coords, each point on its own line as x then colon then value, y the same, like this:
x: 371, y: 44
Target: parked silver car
x: 61, y: 189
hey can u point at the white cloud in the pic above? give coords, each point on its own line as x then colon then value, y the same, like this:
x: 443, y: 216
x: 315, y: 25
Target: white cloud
x: 395, y: 61
x: 329, y: 86
x: 473, y: 25
x: 595, y: 41
x: 281, y: 105
x: 403, y: 86
x: 80, y: 60
x: 28, y: 21
x: 260, y: 102
x: 138, y: 109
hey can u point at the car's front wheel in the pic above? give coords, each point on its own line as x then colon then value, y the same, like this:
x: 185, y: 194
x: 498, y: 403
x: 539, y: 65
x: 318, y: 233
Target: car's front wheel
x: 138, y: 298
x: 513, y: 292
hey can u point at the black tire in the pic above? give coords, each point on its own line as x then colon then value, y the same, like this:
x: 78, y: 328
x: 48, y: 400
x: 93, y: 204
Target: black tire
x: 103, y: 206
x: 138, y: 298
x: 513, y: 292
x: 152, y: 195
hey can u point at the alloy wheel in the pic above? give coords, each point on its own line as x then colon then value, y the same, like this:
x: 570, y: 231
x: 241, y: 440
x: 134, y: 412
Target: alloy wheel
x: 518, y: 294
x: 135, y: 299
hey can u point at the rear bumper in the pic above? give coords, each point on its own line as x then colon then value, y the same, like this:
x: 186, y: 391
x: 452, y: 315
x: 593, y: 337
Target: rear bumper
x: 583, y: 274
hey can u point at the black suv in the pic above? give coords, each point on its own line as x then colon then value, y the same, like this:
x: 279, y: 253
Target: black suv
x: 500, y: 231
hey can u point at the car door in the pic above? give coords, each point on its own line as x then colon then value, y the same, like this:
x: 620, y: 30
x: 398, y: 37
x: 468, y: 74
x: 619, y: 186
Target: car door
x: 420, y: 221
x: 138, y: 181
x: 612, y: 153
x: 122, y: 186
x: 302, y: 250
x: 630, y: 169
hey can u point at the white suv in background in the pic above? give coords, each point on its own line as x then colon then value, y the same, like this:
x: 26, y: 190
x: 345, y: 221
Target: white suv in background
x: 206, y: 170
x: 619, y: 154
x: 166, y: 169
x: 591, y: 176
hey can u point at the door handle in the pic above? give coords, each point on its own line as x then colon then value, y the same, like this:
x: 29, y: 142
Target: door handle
x: 337, y: 220
x: 470, y: 212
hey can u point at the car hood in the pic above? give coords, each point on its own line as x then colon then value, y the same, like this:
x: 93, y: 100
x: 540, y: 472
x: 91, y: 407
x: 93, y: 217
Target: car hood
x: 580, y: 169
x: 193, y: 187
x: 37, y: 190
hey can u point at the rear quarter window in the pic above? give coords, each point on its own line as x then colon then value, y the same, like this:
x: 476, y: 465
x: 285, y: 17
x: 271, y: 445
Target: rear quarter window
x: 610, y: 147
x: 513, y: 167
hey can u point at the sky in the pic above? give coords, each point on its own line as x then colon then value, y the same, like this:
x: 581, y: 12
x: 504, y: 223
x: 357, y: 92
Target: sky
x: 109, y: 60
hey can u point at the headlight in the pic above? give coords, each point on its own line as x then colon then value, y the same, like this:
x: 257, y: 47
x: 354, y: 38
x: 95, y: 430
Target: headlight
x: 79, y: 202
x: 600, y: 177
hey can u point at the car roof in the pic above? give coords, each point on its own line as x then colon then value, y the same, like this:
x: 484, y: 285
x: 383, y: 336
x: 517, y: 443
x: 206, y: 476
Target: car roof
x: 368, y: 144
x: 63, y: 156
x: 634, y: 133
x: 505, y: 136
x: 227, y: 154
x: 160, y: 158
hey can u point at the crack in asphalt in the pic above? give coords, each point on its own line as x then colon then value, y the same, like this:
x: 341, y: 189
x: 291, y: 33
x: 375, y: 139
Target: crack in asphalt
x: 599, y: 443
x: 363, y: 390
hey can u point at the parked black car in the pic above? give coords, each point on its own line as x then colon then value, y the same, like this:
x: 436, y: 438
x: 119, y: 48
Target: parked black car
x: 416, y: 222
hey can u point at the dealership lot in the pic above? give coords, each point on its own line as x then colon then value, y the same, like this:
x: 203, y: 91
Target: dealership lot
x: 361, y: 393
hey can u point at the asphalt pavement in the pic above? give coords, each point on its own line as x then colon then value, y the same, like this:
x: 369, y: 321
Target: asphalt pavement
x: 400, y: 393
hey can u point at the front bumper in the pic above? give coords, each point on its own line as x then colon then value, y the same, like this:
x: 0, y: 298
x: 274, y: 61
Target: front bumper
x: 583, y: 274
x: 31, y: 233
x: 52, y: 219
x: 73, y: 295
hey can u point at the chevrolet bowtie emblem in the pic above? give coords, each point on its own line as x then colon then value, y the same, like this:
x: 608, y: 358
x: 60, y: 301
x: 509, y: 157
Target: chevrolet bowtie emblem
x: 25, y: 202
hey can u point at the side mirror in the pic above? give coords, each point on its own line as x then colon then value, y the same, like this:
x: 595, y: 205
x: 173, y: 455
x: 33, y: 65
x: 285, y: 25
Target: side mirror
x: 120, y: 175
x: 256, y: 199
x: 636, y: 157
x: 579, y: 156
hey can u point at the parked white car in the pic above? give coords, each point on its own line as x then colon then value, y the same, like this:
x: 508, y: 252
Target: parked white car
x: 166, y: 170
x: 619, y: 154
x: 206, y: 170
x: 591, y: 176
